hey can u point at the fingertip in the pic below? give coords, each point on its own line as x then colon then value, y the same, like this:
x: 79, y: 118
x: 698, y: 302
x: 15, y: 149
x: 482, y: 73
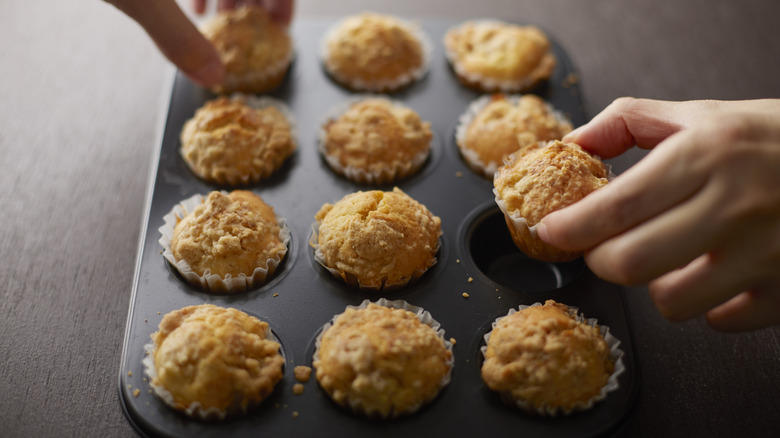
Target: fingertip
x: 210, y: 74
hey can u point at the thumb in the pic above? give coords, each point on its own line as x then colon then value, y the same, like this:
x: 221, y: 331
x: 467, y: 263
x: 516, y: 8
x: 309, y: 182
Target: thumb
x: 176, y: 37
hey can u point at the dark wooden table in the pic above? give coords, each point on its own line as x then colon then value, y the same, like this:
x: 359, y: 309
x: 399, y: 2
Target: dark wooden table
x: 81, y: 92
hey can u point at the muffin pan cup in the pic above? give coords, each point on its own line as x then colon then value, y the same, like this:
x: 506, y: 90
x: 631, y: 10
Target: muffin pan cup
x: 479, y: 276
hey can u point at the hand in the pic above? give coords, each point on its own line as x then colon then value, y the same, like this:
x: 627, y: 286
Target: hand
x: 698, y: 219
x: 181, y: 42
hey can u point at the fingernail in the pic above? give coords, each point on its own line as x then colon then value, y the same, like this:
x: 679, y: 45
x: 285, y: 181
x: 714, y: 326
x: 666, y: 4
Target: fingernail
x: 572, y: 136
x: 542, y: 232
x: 210, y: 74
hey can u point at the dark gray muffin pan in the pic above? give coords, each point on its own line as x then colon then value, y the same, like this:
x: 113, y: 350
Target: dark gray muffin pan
x: 477, y: 257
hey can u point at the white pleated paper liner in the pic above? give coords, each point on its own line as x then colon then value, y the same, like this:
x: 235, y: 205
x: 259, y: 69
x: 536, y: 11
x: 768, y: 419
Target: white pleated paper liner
x: 487, y: 84
x: 195, y: 409
x: 351, y: 279
x: 615, y: 354
x: 395, y: 171
x: 213, y: 282
x: 357, y: 405
x: 472, y: 111
x: 383, y: 85
x: 257, y: 103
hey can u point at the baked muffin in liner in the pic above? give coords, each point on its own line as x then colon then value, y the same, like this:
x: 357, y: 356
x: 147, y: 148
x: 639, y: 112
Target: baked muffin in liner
x: 496, y: 56
x: 370, y: 52
x: 543, y: 124
x: 238, y: 140
x: 255, y: 50
x: 551, y: 409
x: 211, y: 282
x: 213, y: 382
x: 360, y: 374
x: 360, y: 255
x: 553, y: 175
x: 371, y: 139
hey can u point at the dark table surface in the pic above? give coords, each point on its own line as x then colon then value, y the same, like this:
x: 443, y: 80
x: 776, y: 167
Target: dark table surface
x: 81, y: 94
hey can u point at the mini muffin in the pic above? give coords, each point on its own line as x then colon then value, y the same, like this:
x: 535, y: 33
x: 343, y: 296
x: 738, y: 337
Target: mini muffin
x: 240, y: 140
x: 227, y: 242
x: 375, y: 141
x: 546, y: 358
x: 375, y: 52
x: 383, y: 360
x: 492, y: 56
x: 538, y: 180
x: 376, y: 239
x: 255, y: 50
x: 212, y: 362
x: 495, y: 126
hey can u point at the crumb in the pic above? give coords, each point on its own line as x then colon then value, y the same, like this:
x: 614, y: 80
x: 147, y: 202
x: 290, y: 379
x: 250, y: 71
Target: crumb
x: 570, y: 80
x: 465, y: 295
x: 158, y: 313
x: 453, y: 341
x: 298, y: 389
x: 458, y: 174
x: 130, y: 374
x: 276, y: 406
x: 276, y: 294
x: 295, y: 414
x: 457, y: 261
x: 144, y: 379
x: 470, y: 280
x: 137, y: 392
x: 302, y: 373
x: 145, y: 320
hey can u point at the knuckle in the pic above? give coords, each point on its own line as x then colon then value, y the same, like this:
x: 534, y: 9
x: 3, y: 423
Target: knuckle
x: 665, y: 303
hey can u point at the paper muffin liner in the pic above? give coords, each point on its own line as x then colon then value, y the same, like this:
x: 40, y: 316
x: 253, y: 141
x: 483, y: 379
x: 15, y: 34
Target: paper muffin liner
x: 383, y: 85
x: 212, y: 282
x: 470, y: 156
x: 358, y: 406
x: 615, y: 354
x: 476, y: 80
x: 393, y: 172
x: 351, y: 279
x: 257, y: 103
x: 195, y: 409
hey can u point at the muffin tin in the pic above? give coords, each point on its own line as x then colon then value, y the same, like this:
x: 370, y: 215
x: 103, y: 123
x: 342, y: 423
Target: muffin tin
x: 479, y: 276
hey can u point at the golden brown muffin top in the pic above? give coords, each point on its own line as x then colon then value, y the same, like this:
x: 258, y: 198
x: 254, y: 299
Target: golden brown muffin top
x: 536, y: 181
x: 248, y: 40
x: 228, y: 234
x: 385, y: 358
x: 500, y: 51
x: 544, y: 356
x: 218, y: 357
x: 229, y: 142
x: 381, y: 238
x: 506, y: 125
x: 371, y: 48
x: 374, y: 134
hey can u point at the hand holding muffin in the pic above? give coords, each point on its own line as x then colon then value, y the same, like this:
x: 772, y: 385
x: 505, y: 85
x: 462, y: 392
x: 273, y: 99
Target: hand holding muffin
x: 698, y: 219
x: 181, y: 42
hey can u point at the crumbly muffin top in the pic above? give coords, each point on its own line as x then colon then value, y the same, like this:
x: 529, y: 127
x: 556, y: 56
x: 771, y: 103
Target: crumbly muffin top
x: 218, y: 357
x: 228, y: 234
x: 504, y: 126
x: 544, y: 356
x: 374, y: 134
x: 536, y: 181
x: 381, y: 238
x: 501, y: 51
x: 229, y: 142
x: 248, y: 40
x: 382, y: 359
x: 371, y: 48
